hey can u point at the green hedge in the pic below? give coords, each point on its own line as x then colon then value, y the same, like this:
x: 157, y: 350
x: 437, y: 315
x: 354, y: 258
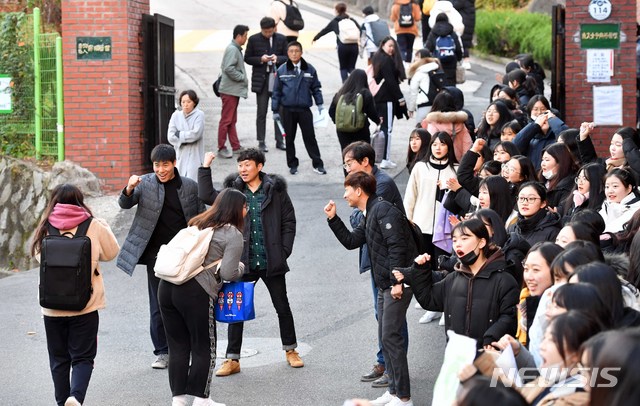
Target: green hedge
x: 511, y: 32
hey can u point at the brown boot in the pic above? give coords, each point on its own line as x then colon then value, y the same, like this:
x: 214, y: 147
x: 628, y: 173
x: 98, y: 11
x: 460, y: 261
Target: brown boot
x: 230, y: 367
x: 293, y: 358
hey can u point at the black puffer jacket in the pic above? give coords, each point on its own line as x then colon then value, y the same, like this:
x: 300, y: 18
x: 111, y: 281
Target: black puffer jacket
x: 277, y: 214
x: 543, y: 226
x: 481, y: 306
x: 258, y: 45
x: 388, y: 236
x: 557, y: 196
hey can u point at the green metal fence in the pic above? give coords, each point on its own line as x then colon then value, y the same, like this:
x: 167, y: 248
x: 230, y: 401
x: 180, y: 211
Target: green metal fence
x: 34, y: 121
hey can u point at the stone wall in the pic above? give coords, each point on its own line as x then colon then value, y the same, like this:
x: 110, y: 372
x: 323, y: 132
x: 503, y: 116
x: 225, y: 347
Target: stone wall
x: 24, y: 192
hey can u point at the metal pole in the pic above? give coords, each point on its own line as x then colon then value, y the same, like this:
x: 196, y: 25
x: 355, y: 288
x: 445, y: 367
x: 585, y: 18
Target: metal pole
x: 59, y: 99
x: 37, y: 85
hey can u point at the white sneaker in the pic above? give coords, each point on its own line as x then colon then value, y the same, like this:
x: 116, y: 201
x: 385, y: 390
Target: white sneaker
x: 180, y: 400
x: 162, y: 362
x: 205, y: 402
x: 398, y: 402
x: 383, y: 400
x: 386, y: 164
x: 441, y: 322
x: 418, y: 306
x: 429, y: 316
x: 466, y: 65
x: 72, y: 401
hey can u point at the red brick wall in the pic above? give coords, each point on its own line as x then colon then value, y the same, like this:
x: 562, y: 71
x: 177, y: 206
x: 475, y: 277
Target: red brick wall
x: 579, y: 92
x: 103, y: 103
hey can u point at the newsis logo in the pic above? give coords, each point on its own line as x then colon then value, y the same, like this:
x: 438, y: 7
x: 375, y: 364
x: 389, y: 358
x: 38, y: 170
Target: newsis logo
x: 555, y: 377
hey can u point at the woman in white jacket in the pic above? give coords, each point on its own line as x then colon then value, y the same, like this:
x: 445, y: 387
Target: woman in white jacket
x: 622, y: 199
x: 186, y: 129
x: 426, y: 188
x: 419, y: 83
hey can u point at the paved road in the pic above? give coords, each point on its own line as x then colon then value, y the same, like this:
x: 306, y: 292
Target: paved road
x: 331, y: 302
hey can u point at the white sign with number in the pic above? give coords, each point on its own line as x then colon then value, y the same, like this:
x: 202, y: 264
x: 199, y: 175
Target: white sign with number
x: 600, y: 9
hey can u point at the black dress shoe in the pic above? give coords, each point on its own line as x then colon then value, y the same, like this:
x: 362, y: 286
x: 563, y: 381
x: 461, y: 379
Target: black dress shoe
x: 263, y: 147
x: 293, y: 170
x: 381, y: 382
x: 281, y: 146
x: 376, y: 372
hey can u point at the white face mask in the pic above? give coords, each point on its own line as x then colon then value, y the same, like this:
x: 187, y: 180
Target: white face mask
x: 548, y: 175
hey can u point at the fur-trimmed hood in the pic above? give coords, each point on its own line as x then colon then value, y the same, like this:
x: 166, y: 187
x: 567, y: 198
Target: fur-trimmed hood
x: 278, y: 183
x: 447, y: 117
x: 303, y: 65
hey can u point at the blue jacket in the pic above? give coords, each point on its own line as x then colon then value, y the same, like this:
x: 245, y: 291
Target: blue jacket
x: 531, y: 140
x: 294, y: 92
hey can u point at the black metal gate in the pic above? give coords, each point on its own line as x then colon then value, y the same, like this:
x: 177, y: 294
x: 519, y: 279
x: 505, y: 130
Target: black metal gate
x: 158, y: 88
x: 557, y: 60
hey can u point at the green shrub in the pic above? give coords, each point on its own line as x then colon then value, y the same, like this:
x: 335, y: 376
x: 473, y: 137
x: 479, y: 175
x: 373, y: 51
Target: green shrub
x: 511, y: 32
x: 500, y: 4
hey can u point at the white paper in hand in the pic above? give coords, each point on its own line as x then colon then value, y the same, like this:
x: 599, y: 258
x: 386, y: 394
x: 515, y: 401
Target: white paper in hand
x: 460, y: 351
x: 320, y: 119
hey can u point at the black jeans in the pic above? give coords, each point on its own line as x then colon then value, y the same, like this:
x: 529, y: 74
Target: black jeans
x: 262, y: 99
x: 385, y: 110
x: 347, y: 58
x: 156, y: 327
x: 405, y: 43
x: 72, y: 343
x: 277, y: 286
x: 290, y: 121
x: 392, y: 317
x: 187, y: 311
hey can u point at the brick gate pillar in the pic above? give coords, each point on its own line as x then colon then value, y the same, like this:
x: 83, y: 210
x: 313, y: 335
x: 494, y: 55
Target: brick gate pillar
x: 103, y: 71
x: 579, y: 91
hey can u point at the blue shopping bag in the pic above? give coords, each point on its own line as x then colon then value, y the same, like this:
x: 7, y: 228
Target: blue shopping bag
x: 235, y: 302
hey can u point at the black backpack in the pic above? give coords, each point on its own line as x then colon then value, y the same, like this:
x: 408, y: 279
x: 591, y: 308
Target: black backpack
x: 65, y: 269
x: 436, y: 84
x: 418, y: 241
x: 406, y: 15
x: 293, y: 20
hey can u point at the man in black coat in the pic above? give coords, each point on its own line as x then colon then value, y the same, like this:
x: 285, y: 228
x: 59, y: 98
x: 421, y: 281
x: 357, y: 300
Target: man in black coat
x: 387, y: 233
x: 265, y: 51
x: 269, y: 231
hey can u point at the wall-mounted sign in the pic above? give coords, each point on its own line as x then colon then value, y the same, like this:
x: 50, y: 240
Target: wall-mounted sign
x: 5, y: 94
x: 600, y: 36
x: 93, y: 48
x: 600, y: 9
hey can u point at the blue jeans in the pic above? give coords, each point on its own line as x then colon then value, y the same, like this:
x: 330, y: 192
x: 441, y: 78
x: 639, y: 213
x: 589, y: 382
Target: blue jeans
x: 405, y: 329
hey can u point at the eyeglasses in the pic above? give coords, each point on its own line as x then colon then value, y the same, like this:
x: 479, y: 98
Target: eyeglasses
x: 509, y: 169
x: 347, y: 164
x: 529, y: 199
x: 580, y: 179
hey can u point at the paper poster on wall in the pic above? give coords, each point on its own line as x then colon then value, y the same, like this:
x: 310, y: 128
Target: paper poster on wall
x: 5, y: 94
x: 607, y: 105
x: 599, y: 65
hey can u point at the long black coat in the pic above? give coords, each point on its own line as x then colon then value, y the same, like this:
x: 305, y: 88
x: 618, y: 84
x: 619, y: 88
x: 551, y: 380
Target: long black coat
x: 386, y: 232
x: 277, y: 215
x: 258, y: 45
x: 481, y: 306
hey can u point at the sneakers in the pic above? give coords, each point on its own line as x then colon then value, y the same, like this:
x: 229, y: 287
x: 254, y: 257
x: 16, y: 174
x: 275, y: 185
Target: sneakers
x: 386, y: 164
x: 180, y: 400
x: 263, y: 147
x: 293, y: 358
x: 383, y: 400
x: 205, y: 402
x: 281, y: 146
x: 320, y: 170
x: 381, y: 382
x: 162, y: 362
x: 72, y: 401
x: 293, y: 170
x: 225, y: 153
x: 429, y: 316
x: 466, y: 65
x: 230, y: 367
x: 398, y: 402
x: 238, y: 151
x: 376, y: 372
